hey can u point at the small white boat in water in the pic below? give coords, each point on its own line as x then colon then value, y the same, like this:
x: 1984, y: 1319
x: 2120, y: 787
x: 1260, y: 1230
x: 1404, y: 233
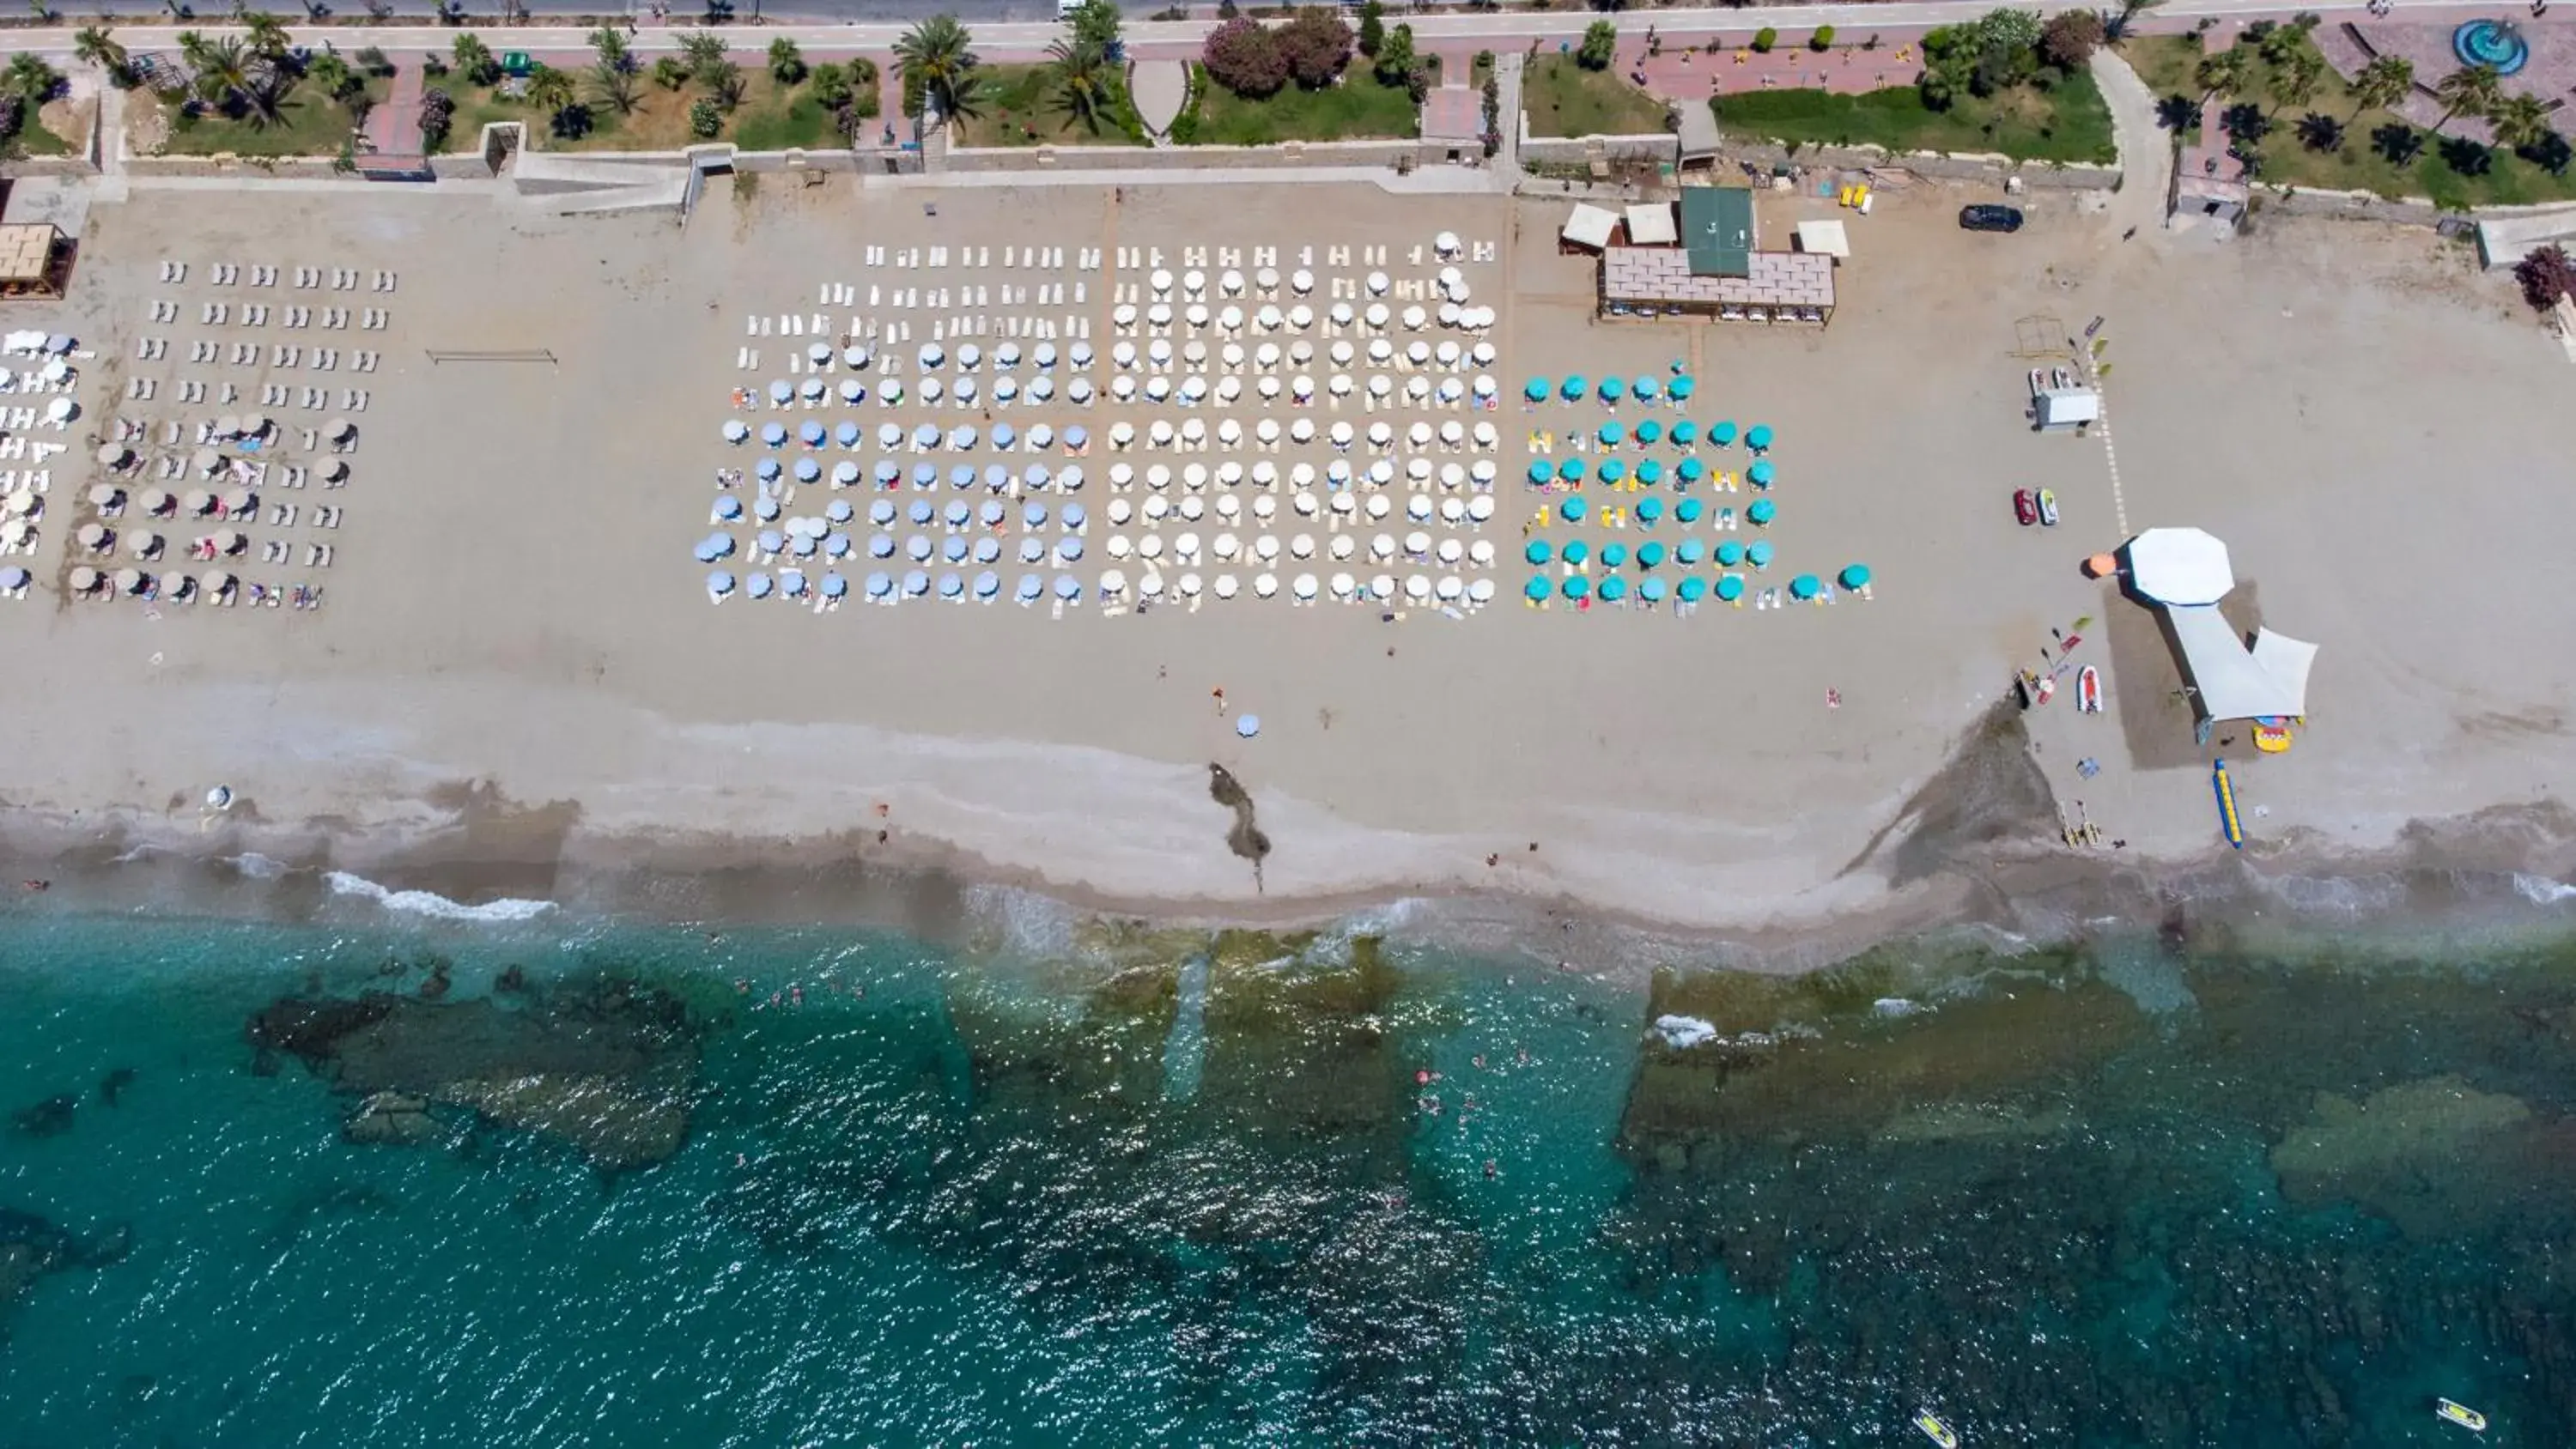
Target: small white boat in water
x: 2462, y: 1415
x: 1940, y: 1433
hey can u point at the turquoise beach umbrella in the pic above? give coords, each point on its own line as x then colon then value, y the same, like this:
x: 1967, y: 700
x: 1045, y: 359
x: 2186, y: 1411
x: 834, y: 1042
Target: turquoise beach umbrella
x: 1650, y: 431
x: 1762, y: 512
x: 1649, y: 510
x: 1856, y: 576
x: 1804, y: 586
x: 1537, y: 589
x: 1611, y: 433
x: 1574, y: 388
x: 1650, y: 590
x: 1612, y: 470
x: 1613, y: 588
x: 1685, y: 433
x: 1693, y: 589
x: 1761, y: 473
x: 1644, y: 387
x: 1538, y: 552
x: 1614, y: 555
x: 1577, y: 586
x: 1722, y: 434
x: 1611, y: 388
x: 1689, y: 552
x: 1573, y: 509
x: 1649, y: 472
x: 1537, y: 389
x: 1540, y: 471
x: 1689, y: 510
x: 1729, y: 554
x: 1575, y: 552
x: 1570, y: 471
x: 1682, y: 387
x: 1759, y: 555
x: 1691, y: 470
x: 1730, y: 587
x: 1759, y: 437
x: 1650, y: 555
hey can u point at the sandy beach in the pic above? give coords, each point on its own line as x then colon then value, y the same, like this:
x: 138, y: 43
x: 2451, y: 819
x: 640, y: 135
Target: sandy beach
x: 517, y: 685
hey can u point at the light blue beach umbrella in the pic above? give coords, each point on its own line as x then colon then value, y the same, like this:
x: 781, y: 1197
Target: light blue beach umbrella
x: 1612, y: 470
x: 853, y: 391
x: 916, y: 583
x: 1041, y: 438
x: 1650, y: 555
x: 715, y: 546
x: 1690, y: 553
x: 1536, y: 389
x: 834, y: 586
x: 888, y: 472
x: 1570, y: 471
x: 1760, y: 474
x: 1761, y: 513
x: 1033, y: 515
x: 765, y: 508
x: 1068, y: 549
x: 1693, y: 589
x: 1574, y: 388
x: 880, y: 585
x: 768, y: 470
x: 925, y: 437
x: 807, y: 470
x: 961, y: 476
x: 1028, y: 589
x: 953, y: 549
x: 728, y: 508
x: 922, y: 512
x: 1722, y: 434
x: 996, y: 477
x: 1067, y: 587
x: 1687, y: 511
x: 845, y: 473
x: 919, y: 548
x: 1614, y: 555
x: 1612, y: 389
x: 962, y: 439
x: 951, y: 586
x: 1682, y: 387
x: 1068, y: 478
x: 773, y: 435
x: 1651, y: 589
x: 771, y: 540
x: 1540, y: 472
x: 1537, y: 552
x: 1247, y: 725
x: 811, y: 434
x: 1044, y: 357
x: 1032, y: 550
x: 925, y: 475
x: 1074, y: 517
x: 758, y: 586
x: 1573, y: 508
x: 987, y: 584
x: 1650, y: 472
x: 780, y: 390
x: 988, y: 549
x: 837, y: 545
x: 1855, y: 576
x: 719, y: 583
x: 1537, y: 589
x: 1690, y: 470
x: 1650, y: 432
x: 1005, y: 389
x: 1076, y: 438
x: 1613, y: 589
x: 1758, y: 437
x: 1079, y: 354
x: 881, y: 512
x: 1034, y: 476
x: 992, y: 513
x: 1805, y: 586
x: 1730, y: 587
x: 1576, y: 586
x: 1645, y: 387
x: 881, y: 546
x: 1729, y: 554
x: 889, y: 437
x: 959, y: 513
x: 1005, y: 437
x: 1685, y: 433
x: 803, y: 545
x: 1575, y: 553
x: 1759, y: 555
x: 736, y: 430
x: 847, y: 434
x: 1611, y: 433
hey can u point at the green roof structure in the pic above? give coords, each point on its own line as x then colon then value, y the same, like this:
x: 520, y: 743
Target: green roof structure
x: 1717, y: 230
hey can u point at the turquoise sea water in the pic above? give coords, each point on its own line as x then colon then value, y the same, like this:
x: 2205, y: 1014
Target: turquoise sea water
x: 2109, y: 1196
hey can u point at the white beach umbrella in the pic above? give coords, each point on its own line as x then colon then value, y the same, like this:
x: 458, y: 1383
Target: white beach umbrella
x: 1302, y: 546
x: 1382, y: 588
x: 1268, y: 386
x: 1451, y: 315
x: 1228, y: 389
x: 1193, y: 283
x: 1120, y: 511
x: 1230, y: 282
x: 1379, y: 505
x: 1344, y: 545
x: 1484, y: 354
x: 1150, y: 586
x: 1382, y: 472
x: 1300, y: 352
x: 1453, y: 434
x: 1196, y: 315
x: 1159, y: 315
x: 1418, y: 354
x: 1342, y: 432
x: 1376, y: 316
x: 1342, y: 352
x: 1150, y: 546
x: 1193, y: 508
x: 1158, y: 388
x: 1188, y: 584
x: 1417, y: 387
x: 1265, y: 507
x: 1122, y: 388
x: 1266, y: 432
x: 1121, y: 433
x: 1417, y: 436
x: 1343, y: 585
x: 1160, y: 281
x: 1122, y: 354
x: 1417, y: 589
x: 1343, y: 314
x: 1266, y: 547
x: 1185, y: 547
x: 1381, y: 352
x: 1481, y: 553
x: 1484, y: 473
x: 1113, y: 582
x: 1231, y: 356
x: 1452, y: 552
x: 1225, y: 587
x: 1446, y: 244
x: 1120, y: 545
x: 1123, y: 317
x: 1230, y: 320
x: 1480, y: 591
x: 1301, y: 430
x: 1415, y: 319
x: 1303, y: 587
x: 1378, y: 282
x: 1229, y: 473
x: 1419, y: 507
x: 1158, y: 476
x: 1381, y: 434
x: 1264, y: 585
x: 1269, y: 319
x: 1226, y: 546
x: 1301, y: 281
x: 1157, y: 508
x: 1453, y: 511
x: 1380, y: 385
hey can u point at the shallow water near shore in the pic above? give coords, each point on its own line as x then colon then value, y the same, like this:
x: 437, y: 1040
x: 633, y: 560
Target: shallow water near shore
x: 1164, y: 1188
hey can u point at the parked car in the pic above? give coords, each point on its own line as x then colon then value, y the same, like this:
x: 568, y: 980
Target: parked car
x: 1986, y: 216
x: 2025, y: 506
x: 2048, y: 507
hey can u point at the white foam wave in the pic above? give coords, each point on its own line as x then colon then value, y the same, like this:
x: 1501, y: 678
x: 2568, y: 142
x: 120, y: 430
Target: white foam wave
x: 1895, y: 1006
x: 2540, y: 890
x: 430, y: 903
x: 1681, y: 1033
x: 257, y: 866
x: 2339, y: 896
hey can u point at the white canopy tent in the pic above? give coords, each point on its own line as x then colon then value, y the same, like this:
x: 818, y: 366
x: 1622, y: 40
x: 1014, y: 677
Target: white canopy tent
x: 1826, y: 236
x: 1590, y: 226
x: 1651, y: 224
x: 2180, y: 566
x: 2234, y: 682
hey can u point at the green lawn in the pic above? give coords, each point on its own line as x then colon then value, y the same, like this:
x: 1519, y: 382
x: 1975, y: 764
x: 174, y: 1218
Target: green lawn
x: 785, y: 120
x: 1358, y: 109
x: 2166, y: 64
x: 2066, y: 123
x: 308, y: 125
x: 771, y: 117
x: 35, y: 140
x: 1564, y: 99
x: 1019, y: 108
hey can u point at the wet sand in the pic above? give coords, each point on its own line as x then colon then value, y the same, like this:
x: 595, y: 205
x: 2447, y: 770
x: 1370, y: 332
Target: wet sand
x: 517, y: 686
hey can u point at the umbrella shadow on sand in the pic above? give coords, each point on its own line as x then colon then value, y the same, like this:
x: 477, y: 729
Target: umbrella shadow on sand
x: 1244, y: 838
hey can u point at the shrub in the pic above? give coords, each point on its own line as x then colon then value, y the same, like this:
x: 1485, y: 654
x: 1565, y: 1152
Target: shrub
x: 1823, y: 39
x: 786, y: 62
x: 2550, y: 153
x: 829, y: 85
x: 862, y: 73
x: 1318, y: 44
x: 2546, y: 275
x: 371, y: 59
x: 669, y: 73
x: 1764, y: 39
x: 1600, y: 46
x: 2069, y: 39
x: 1245, y: 58
x: 705, y: 118
x: 431, y: 67
x: 1372, y: 28
x: 437, y: 118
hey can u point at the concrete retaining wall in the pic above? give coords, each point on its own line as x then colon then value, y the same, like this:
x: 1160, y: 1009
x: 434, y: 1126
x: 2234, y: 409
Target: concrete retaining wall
x: 1937, y: 165
x: 1289, y: 156
x: 1581, y: 150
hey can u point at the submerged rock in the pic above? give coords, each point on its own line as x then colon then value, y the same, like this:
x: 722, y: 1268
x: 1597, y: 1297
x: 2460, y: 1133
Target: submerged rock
x: 32, y: 1247
x: 51, y: 1117
x: 111, y: 1088
x: 607, y: 1070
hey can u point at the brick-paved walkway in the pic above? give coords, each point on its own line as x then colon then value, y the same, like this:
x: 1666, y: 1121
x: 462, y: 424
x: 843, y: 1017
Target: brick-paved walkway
x: 393, y: 128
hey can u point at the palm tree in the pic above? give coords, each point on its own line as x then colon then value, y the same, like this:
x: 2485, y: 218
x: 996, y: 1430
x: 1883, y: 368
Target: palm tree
x: 724, y: 84
x: 95, y: 45
x: 2519, y: 121
x: 938, y: 55
x: 226, y: 73
x: 549, y: 89
x: 2382, y: 84
x: 614, y: 86
x: 265, y: 35
x: 2320, y: 132
x: 29, y: 77
x: 333, y: 75
x: 2473, y: 89
x: 610, y: 42
x: 2295, y: 80
x: 1078, y: 72
x: 2223, y: 73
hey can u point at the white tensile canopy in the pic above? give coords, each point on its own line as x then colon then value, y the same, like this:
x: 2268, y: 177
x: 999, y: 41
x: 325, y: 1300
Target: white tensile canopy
x: 1651, y: 224
x: 1590, y: 226
x: 2181, y: 566
x: 2234, y: 682
x: 1825, y: 237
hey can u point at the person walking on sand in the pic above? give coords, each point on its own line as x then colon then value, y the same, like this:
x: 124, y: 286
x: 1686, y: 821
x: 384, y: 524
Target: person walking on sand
x: 1218, y: 694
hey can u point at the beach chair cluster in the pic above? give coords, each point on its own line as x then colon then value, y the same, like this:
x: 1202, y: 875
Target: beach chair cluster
x: 1398, y: 492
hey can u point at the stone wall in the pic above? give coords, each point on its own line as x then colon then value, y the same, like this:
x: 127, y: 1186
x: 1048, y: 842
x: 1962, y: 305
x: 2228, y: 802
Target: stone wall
x: 1933, y: 164
x: 1661, y: 147
x: 1288, y: 156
